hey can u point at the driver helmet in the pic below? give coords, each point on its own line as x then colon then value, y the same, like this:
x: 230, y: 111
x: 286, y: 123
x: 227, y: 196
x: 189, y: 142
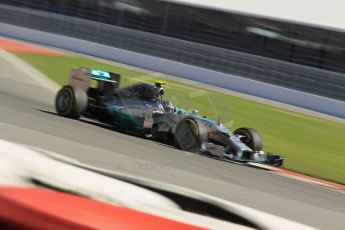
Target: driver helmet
x: 159, y: 90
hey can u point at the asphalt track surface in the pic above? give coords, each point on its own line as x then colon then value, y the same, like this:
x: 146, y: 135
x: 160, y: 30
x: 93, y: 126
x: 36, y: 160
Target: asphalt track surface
x: 27, y: 117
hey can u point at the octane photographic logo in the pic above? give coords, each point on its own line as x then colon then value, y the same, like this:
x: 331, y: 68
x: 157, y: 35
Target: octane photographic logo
x: 188, y: 154
x: 143, y: 165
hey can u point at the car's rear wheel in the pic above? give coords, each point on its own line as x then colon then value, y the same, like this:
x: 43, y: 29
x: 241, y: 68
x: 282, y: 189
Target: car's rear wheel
x: 71, y: 102
x: 251, y: 138
x: 189, y: 134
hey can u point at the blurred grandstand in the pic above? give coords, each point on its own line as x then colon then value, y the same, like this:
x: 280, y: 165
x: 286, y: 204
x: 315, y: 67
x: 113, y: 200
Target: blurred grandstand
x: 295, y: 55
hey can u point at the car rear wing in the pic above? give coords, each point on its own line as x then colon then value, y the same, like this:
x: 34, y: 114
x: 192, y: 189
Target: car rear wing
x: 82, y: 77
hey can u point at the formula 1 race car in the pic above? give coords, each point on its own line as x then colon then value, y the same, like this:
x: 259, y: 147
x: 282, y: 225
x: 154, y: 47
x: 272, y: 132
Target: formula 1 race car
x: 140, y: 108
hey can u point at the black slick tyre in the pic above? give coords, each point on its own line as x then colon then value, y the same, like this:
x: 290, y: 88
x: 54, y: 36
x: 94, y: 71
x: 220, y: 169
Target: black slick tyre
x: 71, y: 102
x: 251, y: 138
x: 189, y: 134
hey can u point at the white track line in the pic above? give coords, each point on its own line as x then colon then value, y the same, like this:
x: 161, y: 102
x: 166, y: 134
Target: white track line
x: 31, y: 72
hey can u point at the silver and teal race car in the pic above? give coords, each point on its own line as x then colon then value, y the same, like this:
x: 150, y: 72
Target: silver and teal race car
x: 140, y: 108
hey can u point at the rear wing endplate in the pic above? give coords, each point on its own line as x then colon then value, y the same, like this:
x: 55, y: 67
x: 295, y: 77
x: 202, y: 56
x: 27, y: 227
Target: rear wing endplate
x: 82, y: 77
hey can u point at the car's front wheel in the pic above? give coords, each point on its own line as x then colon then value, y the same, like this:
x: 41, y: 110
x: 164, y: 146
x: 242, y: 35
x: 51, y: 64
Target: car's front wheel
x: 189, y: 134
x: 71, y: 102
x: 251, y: 138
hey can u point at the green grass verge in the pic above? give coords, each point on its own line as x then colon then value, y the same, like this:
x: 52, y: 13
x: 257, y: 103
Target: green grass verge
x: 312, y: 146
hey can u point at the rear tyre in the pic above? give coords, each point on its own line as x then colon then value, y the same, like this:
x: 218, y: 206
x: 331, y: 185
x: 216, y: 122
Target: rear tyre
x: 189, y: 134
x: 71, y: 102
x: 251, y: 138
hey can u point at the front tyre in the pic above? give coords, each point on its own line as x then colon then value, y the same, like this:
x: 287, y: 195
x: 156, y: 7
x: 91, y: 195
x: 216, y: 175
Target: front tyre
x: 189, y: 135
x: 71, y: 102
x: 251, y: 138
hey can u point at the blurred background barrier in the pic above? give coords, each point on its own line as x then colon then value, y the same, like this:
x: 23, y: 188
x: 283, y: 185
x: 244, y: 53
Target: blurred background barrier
x: 298, y: 57
x: 227, y: 81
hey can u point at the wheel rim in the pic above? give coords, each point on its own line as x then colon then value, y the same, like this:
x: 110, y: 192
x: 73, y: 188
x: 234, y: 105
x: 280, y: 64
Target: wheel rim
x: 185, y: 134
x: 64, y: 101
